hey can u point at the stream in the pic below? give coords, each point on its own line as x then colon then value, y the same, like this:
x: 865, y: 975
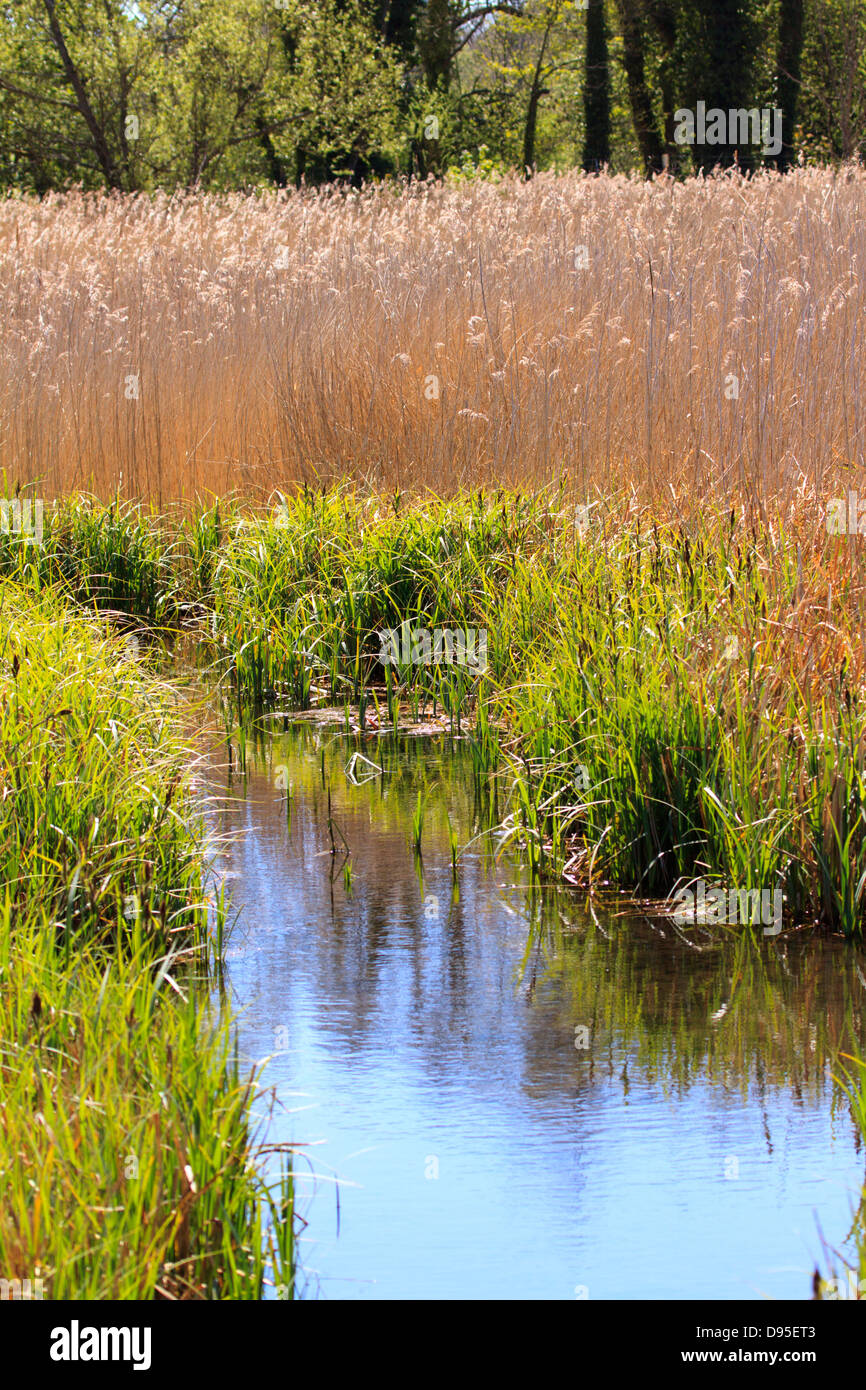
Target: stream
x: 502, y: 1092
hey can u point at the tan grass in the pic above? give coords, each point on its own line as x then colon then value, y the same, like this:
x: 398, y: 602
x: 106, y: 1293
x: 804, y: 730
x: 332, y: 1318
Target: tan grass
x: 290, y: 336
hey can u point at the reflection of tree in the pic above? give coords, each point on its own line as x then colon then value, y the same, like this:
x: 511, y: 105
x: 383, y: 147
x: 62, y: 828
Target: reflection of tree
x: 660, y: 1005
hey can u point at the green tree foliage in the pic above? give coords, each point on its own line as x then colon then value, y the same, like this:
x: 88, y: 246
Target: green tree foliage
x: 527, y: 67
x: 139, y: 94
x: 337, y: 115
x: 215, y: 93
x: 832, y: 108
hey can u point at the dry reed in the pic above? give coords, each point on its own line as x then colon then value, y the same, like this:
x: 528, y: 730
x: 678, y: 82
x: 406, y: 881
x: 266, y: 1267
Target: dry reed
x: 437, y: 336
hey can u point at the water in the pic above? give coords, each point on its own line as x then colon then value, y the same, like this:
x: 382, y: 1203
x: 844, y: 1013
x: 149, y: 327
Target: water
x: 509, y: 1097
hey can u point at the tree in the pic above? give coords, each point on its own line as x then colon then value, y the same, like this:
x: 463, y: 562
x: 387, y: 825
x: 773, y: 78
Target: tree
x: 396, y: 21
x: 338, y: 116
x: 162, y: 92
x: 718, y: 43
x: 832, y: 98
x: 663, y: 18
x: 75, y: 79
x: 210, y: 93
x: 536, y: 91
x: 133, y: 94
x: 523, y: 58
x: 68, y: 72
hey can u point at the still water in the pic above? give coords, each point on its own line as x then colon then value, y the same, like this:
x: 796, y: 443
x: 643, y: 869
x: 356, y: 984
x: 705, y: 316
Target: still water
x: 502, y: 1095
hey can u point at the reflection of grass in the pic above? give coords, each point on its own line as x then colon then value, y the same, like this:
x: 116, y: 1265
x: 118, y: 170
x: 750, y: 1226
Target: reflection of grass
x: 424, y: 784
x: 418, y: 823
x: 845, y: 1277
x: 660, y: 1007
x: 744, y: 1015
x: 730, y: 1008
x: 127, y: 1130
x: 723, y: 1004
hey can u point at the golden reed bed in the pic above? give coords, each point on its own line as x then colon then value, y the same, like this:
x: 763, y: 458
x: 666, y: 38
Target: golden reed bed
x: 703, y: 336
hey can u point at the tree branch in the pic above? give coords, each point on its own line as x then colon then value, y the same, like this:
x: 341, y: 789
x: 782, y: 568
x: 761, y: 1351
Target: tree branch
x: 97, y: 134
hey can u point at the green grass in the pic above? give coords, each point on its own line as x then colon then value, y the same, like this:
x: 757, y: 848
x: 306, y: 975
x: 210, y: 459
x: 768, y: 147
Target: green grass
x: 678, y: 703
x: 669, y: 671
x: 118, y: 556
x: 127, y: 1148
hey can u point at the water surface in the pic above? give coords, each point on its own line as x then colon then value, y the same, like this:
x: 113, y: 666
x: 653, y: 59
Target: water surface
x: 515, y: 1097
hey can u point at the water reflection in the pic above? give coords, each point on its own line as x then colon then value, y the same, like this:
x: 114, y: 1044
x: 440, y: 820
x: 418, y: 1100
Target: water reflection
x: 520, y: 1097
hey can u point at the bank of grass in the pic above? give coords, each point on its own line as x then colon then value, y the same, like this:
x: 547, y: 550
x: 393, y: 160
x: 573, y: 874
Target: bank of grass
x: 673, y: 699
x: 680, y: 700
x: 128, y: 1137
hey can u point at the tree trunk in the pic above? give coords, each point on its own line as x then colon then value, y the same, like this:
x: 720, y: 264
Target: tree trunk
x: 535, y: 94
x: 664, y: 22
x: 97, y: 134
x: 630, y: 18
x: 728, y: 71
x: 596, y: 90
x: 276, y: 167
x: 788, y: 75
x: 396, y: 20
x: 435, y: 43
